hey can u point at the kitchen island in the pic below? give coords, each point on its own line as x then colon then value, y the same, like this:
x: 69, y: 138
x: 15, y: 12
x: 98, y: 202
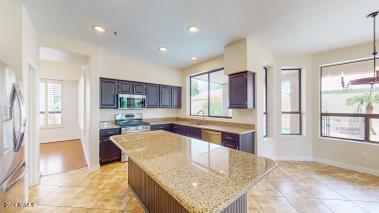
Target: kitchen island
x: 173, y: 173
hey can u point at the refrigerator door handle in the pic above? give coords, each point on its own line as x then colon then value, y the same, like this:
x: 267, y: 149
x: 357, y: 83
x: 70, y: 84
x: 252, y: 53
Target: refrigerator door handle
x: 18, y: 137
x: 5, y: 186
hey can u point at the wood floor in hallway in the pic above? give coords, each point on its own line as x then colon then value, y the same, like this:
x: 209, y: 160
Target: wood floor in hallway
x: 292, y: 187
x: 61, y: 156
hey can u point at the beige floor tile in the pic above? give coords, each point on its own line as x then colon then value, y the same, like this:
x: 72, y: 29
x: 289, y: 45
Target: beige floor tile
x: 275, y: 204
x: 341, y: 206
x: 292, y: 187
x: 372, y: 207
x: 307, y: 205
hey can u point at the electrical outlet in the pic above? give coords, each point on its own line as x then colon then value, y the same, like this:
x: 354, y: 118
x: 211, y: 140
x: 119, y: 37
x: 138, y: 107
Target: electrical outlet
x: 365, y: 156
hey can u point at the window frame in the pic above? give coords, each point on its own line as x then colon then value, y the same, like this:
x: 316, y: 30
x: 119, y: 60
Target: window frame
x: 265, y: 114
x: 367, y: 117
x: 190, y: 84
x: 46, y: 112
x: 299, y: 112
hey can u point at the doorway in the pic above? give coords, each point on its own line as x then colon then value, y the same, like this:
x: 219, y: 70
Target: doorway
x: 60, y: 110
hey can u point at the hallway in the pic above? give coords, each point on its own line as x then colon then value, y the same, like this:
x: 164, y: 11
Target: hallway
x: 61, y: 156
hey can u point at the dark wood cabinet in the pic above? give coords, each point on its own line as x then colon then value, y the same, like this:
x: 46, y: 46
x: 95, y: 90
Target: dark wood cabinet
x: 152, y: 95
x: 108, y: 151
x: 164, y: 96
x: 242, y: 90
x: 243, y: 142
x: 157, y: 96
x: 125, y: 87
x: 176, y: 97
x: 183, y: 130
x: 108, y: 93
x: 139, y: 88
x: 195, y: 132
x: 166, y: 127
x: 174, y: 128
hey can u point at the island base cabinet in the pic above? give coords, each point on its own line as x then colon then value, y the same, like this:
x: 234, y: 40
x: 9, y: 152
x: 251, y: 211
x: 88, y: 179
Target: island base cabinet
x: 155, y: 199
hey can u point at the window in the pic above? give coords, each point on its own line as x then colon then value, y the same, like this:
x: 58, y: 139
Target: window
x: 265, y: 121
x: 349, y: 103
x: 291, y: 102
x: 210, y: 93
x: 50, y: 103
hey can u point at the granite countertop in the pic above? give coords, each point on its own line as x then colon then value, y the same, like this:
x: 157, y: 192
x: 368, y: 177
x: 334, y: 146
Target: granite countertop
x: 201, y: 176
x: 220, y: 128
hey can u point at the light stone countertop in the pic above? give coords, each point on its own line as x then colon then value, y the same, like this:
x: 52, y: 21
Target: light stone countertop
x: 201, y: 176
x: 220, y: 128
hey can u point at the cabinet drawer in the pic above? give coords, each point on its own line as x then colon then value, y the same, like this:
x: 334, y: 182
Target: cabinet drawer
x: 109, y: 132
x: 230, y: 137
x: 165, y: 127
x: 231, y: 145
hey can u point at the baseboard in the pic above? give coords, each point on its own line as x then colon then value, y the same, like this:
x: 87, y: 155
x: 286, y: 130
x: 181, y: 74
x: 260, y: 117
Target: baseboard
x: 57, y: 141
x: 94, y: 167
x: 348, y: 166
x: 294, y: 158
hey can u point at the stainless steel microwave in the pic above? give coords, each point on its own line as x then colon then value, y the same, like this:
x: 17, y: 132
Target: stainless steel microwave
x: 131, y: 101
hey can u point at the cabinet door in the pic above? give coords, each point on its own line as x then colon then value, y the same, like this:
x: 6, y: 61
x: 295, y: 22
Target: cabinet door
x: 238, y: 90
x: 176, y: 97
x: 108, y: 93
x: 195, y: 132
x: 152, y: 95
x: 164, y: 96
x: 183, y: 130
x: 138, y: 88
x: 125, y: 87
x: 174, y: 128
x: 108, y: 151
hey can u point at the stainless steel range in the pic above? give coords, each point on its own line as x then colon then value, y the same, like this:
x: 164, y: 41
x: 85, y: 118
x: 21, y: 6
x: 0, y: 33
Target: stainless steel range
x: 131, y: 123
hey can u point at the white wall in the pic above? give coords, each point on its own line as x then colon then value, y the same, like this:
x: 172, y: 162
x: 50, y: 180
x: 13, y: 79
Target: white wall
x: 341, y: 152
x: 69, y: 75
x: 117, y: 66
x: 294, y: 147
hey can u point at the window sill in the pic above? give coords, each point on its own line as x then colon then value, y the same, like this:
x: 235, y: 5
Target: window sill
x: 51, y: 127
x: 348, y: 140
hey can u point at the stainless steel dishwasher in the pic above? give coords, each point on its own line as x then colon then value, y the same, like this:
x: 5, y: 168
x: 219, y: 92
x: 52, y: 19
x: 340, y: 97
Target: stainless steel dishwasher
x: 211, y: 136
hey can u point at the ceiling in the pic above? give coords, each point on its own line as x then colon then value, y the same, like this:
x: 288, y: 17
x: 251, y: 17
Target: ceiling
x: 283, y: 27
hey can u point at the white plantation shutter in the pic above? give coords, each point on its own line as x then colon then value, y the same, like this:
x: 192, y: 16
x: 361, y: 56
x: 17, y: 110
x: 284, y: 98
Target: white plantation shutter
x: 51, y: 103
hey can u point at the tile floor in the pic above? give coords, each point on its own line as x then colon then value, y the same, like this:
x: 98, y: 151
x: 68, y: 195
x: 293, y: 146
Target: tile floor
x: 292, y: 187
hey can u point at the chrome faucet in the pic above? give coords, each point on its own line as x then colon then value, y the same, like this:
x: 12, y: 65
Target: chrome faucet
x: 204, y: 121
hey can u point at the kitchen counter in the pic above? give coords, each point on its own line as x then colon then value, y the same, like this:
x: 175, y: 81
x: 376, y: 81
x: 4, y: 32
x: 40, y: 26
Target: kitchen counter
x: 200, y: 176
x: 219, y: 128
x: 112, y: 126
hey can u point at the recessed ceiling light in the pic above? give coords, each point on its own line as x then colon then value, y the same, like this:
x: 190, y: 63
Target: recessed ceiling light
x: 99, y: 28
x: 162, y: 49
x: 193, y: 29
x: 194, y: 58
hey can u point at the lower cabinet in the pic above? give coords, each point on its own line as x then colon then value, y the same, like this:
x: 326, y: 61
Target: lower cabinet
x: 243, y: 142
x: 108, y: 151
x: 166, y: 127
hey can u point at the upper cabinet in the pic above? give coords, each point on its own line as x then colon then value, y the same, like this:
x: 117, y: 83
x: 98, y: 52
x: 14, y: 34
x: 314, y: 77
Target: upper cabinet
x: 108, y: 93
x: 242, y: 90
x: 157, y: 96
x: 139, y: 88
x: 152, y: 95
x: 128, y: 87
x: 176, y: 97
x: 125, y: 87
x: 164, y: 96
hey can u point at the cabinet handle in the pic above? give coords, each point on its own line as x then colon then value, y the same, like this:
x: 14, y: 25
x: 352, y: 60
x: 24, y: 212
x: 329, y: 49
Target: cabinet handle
x: 229, y: 138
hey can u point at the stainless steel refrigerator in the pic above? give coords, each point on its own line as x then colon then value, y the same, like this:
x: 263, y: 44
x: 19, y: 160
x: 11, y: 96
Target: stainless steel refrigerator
x: 13, y: 189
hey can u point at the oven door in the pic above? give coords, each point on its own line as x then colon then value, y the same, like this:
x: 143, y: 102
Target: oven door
x: 131, y: 101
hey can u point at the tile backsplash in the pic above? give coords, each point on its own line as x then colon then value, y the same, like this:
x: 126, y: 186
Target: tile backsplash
x: 108, y: 114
